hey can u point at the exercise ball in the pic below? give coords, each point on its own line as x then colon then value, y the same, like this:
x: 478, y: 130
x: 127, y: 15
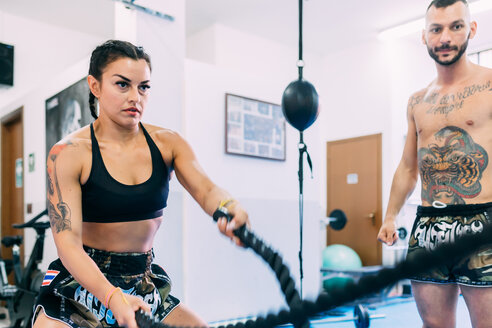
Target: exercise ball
x: 339, y: 257
x: 300, y: 104
x: 337, y: 282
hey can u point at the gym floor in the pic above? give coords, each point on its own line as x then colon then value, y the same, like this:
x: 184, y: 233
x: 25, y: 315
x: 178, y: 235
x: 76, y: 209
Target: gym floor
x: 402, y: 314
x: 399, y: 312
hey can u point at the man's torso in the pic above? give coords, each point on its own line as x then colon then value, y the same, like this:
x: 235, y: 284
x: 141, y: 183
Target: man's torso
x: 454, y: 140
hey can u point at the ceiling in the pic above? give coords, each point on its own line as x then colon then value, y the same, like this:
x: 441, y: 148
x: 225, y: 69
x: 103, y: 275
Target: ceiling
x: 87, y: 16
x: 329, y: 25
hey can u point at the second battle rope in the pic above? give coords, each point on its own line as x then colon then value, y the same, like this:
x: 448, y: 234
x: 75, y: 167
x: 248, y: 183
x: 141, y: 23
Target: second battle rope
x: 421, y: 263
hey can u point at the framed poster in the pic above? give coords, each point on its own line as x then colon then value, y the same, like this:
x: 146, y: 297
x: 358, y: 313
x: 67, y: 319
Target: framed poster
x: 254, y: 128
x: 66, y: 112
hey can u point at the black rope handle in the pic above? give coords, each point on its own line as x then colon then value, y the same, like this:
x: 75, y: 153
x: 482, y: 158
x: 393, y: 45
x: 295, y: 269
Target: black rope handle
x: 145, y: 320
x: 420, y: 263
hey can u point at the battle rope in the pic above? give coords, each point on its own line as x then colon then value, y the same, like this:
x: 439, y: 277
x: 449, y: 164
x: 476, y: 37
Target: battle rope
x: 274, y: 260
x: 420, y: 263
x: 270, y: 256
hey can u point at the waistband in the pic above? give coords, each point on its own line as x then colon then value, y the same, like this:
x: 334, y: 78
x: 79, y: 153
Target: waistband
x: 456, y: 210
x: 124, y: 264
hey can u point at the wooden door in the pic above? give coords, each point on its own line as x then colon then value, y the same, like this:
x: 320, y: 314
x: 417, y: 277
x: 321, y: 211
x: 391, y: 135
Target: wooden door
x: 12, y: 179
x: 354, y: 186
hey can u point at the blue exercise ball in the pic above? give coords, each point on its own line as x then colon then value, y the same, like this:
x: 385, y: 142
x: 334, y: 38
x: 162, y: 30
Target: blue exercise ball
x: 339, y: 257
x: 337, y: 282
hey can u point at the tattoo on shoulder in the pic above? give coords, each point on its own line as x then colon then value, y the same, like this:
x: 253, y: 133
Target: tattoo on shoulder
x: 451, y: 169
x: 414, y: 100
x: 447, y: 103
x: 56, y: 149
x: 49, y: 184
x: 60, y: 215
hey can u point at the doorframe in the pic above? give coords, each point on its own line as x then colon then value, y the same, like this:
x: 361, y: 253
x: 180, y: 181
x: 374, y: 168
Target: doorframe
x: 379, y: 197
x: 17, y: 114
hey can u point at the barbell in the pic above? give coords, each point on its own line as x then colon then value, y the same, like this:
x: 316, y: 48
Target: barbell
x: 336, y: 220
x: 361, y: 318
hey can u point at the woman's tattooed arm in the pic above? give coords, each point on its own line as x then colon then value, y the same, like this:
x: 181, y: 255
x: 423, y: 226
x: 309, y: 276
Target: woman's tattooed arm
x: 59, y: 211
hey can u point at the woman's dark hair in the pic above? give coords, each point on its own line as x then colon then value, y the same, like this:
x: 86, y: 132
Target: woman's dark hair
x: 107, y: 53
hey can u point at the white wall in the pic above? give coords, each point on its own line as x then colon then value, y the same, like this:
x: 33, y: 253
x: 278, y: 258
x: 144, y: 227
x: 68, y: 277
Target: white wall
x: 253, y: 67
x: 165, y: 42
x: 483, y: 38
x: 42, y: 51
x: 356, y: 97
x: 201, y: 45
x: 237, y: 70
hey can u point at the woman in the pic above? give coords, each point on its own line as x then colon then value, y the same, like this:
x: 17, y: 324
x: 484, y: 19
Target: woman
x: 107, y: 186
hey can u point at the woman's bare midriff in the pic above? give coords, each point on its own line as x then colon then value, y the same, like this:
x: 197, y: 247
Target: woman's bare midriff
x: 133, y: 236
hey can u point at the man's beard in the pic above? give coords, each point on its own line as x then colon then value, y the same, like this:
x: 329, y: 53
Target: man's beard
x: 448, y: 62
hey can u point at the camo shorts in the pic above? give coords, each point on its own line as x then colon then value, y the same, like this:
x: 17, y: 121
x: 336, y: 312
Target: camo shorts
x: 63, y: 299
x: 435, y: 226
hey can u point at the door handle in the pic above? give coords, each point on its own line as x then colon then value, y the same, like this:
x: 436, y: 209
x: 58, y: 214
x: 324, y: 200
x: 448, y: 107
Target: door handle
x: 372, y: 216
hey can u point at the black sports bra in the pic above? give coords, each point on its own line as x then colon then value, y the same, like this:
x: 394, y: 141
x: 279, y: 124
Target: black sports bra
x: 105, y: 200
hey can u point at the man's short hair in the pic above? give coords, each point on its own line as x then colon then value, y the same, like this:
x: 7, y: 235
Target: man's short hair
x: 445, y: 3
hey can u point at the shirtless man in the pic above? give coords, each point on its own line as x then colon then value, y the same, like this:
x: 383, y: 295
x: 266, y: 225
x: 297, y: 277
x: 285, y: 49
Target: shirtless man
x: 448, y: 143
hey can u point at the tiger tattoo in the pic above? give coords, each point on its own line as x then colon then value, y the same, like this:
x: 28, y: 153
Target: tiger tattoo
x: 452, y: 172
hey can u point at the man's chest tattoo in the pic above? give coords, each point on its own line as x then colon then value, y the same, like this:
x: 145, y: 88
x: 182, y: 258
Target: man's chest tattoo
x: 446, y: 103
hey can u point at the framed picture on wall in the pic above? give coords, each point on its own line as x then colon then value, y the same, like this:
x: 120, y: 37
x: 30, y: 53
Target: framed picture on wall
x: 66, y: 112
x: 254, y: 128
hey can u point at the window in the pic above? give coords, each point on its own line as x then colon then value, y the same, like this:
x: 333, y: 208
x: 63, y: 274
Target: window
x: 483, y: 58
x: 486, y: 58
x: 473, y: 58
